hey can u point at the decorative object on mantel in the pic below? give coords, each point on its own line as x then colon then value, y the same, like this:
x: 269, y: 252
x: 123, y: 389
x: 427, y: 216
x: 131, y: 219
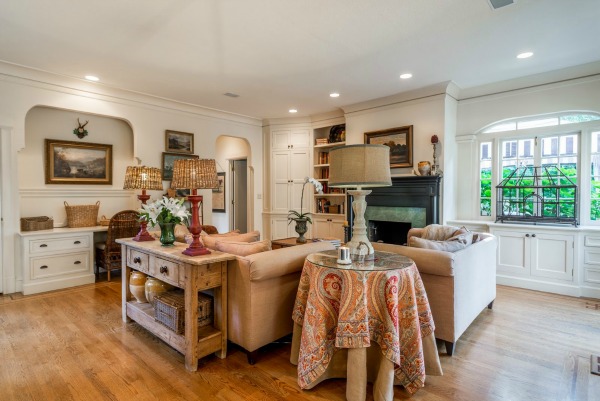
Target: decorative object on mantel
x: 82, y: 215
x: 435, y: 169
x: 36, y: 223
x: 80, y: 131
x: 399, y: 140
x: 144, y: 178
x: 78, y: 163
x: 195, y: 174
x: 424, y: 168
x: 301, y: 218
x: 137, y: 286
x: 166, y: 213
x: 359, y: 166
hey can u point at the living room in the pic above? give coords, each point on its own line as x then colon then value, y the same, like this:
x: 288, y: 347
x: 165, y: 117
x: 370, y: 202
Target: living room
x: 41, y: 103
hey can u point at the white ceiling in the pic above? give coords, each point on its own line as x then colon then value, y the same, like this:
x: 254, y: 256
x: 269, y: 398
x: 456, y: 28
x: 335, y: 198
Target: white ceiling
x: 282, y: 54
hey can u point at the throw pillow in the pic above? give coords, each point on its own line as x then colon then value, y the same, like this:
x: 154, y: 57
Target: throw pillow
x: 180, y: 232
x: 243, y: 248
x: 227, y: 234
x: 448, y: 246
x: 210, y: 241
x: 438, y: 232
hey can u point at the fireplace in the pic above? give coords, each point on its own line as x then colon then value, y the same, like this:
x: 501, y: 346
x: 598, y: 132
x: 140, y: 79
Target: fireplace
x: 411, y: 202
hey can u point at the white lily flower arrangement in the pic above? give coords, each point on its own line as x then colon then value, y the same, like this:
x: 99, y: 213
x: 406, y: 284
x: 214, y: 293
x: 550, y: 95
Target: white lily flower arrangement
x: 293, y: 215
x: 165, y: 210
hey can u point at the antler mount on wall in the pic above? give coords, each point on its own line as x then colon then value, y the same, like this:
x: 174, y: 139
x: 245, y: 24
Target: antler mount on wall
x: 80, y: 131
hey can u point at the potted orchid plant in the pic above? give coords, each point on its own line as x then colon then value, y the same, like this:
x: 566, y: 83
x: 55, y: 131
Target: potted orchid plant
x: 302, y: 218
x: 166, y: 213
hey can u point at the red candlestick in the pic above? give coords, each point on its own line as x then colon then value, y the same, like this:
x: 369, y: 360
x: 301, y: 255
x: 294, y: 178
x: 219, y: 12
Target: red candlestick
x: 143, y: 235
x: 196, y: 248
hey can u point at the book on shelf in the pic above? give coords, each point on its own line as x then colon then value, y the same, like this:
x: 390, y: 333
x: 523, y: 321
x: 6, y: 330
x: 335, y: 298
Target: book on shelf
x: 323, y: 157
x: 321, y: 141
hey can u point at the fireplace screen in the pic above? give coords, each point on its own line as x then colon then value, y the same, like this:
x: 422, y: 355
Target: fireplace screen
x: 537, y: 194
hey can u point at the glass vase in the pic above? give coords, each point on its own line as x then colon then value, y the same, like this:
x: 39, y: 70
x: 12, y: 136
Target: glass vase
x: 167, y: 233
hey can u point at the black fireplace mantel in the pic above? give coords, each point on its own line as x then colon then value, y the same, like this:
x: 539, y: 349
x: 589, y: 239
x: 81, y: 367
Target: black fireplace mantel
x: 410, y: 191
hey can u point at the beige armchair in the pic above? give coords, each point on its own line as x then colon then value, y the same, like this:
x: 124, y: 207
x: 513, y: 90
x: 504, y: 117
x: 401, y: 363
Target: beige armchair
x: 261, y: 292
x: 459, y: 284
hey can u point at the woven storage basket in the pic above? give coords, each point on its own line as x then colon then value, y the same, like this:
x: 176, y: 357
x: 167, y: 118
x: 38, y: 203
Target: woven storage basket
x: 169, y: 310
x: 36, y: 223
x: 104, y: 221
x: 82, y: 215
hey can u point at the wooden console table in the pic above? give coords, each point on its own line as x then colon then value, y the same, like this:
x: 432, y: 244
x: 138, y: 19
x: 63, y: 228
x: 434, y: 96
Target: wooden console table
x: 286, y: 242
x: 192, y: 274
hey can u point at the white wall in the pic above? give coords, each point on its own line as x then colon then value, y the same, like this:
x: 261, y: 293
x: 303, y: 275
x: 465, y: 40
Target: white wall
x: 581, y: 94
x: 23, y: 89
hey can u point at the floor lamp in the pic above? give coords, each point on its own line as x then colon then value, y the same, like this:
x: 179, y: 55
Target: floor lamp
x: 195, y: 174
x: 359, y: 166
x: 144, y: 178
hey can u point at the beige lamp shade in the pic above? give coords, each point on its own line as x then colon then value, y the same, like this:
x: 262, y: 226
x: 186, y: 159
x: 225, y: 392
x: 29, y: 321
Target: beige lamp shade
x: 194, y: 174
x: 356, y: 166
x: 142, y: 177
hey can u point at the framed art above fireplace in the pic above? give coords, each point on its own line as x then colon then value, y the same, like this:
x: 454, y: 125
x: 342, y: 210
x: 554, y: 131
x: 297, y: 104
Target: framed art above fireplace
x: 400, y: 142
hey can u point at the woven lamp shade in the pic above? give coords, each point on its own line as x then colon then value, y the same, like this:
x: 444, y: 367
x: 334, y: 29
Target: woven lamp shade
x: 363, y: 166
x: 142, y: 177
x: 194, y: 174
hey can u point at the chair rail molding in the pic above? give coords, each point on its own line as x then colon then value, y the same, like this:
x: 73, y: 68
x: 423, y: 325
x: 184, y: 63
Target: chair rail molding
x: 74, y: 193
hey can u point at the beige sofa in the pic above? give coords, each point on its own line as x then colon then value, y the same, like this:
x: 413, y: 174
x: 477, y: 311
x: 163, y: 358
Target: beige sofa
x: 459, y: 284
x: 261, y: 292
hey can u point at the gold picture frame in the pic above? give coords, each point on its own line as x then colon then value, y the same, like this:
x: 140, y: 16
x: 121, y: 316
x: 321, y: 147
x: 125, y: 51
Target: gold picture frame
x: 179, y: 142
x: 78, y: 163
x: 400, y: 142
x: 218, y: 195
x: 167, y: 163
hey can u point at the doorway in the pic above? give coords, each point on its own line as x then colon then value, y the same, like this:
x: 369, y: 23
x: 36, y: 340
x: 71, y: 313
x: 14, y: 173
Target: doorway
x: 239, y: 194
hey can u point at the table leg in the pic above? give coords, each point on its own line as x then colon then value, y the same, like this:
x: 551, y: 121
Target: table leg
x: 125, y: 293
x: 356, y: 374
x: 191, y: 320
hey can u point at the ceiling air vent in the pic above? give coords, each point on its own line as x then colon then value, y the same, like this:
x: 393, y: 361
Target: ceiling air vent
x: 231, y: 94
x: 496, y: 4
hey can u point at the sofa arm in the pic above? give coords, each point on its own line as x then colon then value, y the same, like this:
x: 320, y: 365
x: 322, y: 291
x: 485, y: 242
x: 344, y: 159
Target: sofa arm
x: 279, y: 262
x: 428, y: 261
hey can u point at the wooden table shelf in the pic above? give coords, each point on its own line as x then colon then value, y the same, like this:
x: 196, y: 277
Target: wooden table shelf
x: 192, y: 274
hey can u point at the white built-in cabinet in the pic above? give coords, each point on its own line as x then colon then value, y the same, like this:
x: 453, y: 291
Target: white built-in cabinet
x: 290, y: 165
x: 324, y: 227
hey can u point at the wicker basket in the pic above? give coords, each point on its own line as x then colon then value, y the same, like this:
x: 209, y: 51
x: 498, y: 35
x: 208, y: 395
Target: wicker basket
x: 169, y: 310
x: 36, y: 223
x: 82, y: 215
x: 104, y: 221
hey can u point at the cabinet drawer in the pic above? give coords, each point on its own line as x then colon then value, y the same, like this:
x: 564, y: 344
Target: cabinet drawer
x: 165, y: 270
x: 138, y: 260
x: 592, y: 240
x: 209, y: 276
x: 58, y: 244
x: 592, y: 276
x: 59, y: 265
x: 591, y: 257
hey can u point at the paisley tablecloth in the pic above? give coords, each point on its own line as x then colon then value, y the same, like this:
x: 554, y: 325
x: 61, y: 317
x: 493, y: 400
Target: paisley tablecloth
x: 349, y: 309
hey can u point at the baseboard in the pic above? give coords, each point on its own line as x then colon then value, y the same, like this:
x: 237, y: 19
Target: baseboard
x: 34, y: 288
x: 555, y: 288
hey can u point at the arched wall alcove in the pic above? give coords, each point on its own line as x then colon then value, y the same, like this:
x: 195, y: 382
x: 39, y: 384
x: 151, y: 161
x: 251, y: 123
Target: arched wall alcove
x: 36, y: 198
x: 229, y: 148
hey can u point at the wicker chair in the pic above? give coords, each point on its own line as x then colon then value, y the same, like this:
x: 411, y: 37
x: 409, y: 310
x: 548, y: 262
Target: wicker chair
x: 122, y: 225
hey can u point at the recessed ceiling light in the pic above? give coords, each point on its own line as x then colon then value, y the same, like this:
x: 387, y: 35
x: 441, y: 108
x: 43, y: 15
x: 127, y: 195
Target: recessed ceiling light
x: 525, y: 55
x: 92, y: 78
x: 293, y: 111
x: 334, y: 94
x: 406, y: 76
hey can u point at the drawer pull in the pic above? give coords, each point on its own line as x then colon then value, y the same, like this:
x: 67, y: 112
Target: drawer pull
x: 44, y: 267
x: 164, y: 270
x: 77, y: 262
x: 43, y: 246
x: 137, y: 259
x: 527, y: 235
x: 77, y: 242
x: 533, y: 235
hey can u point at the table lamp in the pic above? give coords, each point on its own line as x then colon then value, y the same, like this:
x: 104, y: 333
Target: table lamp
x: 144, y: 178
x: 194, y: 174
x: 359, y: 166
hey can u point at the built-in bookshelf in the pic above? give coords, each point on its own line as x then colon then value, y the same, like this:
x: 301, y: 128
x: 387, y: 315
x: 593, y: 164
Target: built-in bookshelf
x: 333, y: 200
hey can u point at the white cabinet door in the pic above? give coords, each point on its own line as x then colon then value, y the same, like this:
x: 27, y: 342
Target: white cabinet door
x: 280, y: 228
x: 513, y: 252
x: 320, y: 227
x: 280, y: 178
x: 324, y: 227
x: 300, y: 138
x: 552, y: 256
x: 337, y: 229
x: 299, y: 169
x: 280, y: 140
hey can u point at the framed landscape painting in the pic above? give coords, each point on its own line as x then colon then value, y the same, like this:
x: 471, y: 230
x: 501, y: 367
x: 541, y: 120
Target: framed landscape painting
x: 69, y: 162
x: 179, y: 142
x: 399, y: 141
x: 167, y: 163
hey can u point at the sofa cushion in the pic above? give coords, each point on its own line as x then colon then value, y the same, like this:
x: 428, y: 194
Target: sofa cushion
x: 210, y: 241
x: 227, y: 234
x: 448, y: 246
x: 241, y: 248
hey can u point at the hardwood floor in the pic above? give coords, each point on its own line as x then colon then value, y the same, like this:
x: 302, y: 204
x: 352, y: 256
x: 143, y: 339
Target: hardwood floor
x: 72, y: 345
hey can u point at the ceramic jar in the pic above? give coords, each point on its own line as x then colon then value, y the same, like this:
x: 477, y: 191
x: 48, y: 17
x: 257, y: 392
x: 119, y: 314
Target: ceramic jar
x: 424, y: 168
x: 137, y: 286
x: 154, y: 287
